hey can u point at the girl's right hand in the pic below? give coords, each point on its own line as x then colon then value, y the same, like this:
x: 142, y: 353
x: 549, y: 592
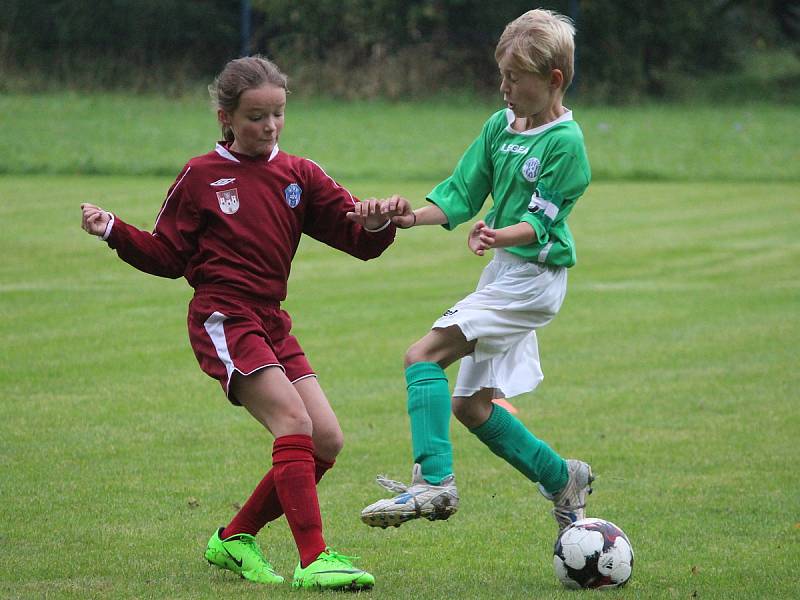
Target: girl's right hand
x: 94, y: 219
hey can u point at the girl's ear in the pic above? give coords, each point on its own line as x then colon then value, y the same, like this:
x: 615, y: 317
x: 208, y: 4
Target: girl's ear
x: 223, y: 117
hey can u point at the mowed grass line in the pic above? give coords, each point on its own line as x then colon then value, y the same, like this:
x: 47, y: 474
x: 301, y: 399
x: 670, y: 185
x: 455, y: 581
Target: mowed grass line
x: 117, y: 134
x: 672, y: 368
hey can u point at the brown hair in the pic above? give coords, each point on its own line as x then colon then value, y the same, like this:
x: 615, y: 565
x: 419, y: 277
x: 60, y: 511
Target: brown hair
x: 238, y: 76
x: 539, y: 41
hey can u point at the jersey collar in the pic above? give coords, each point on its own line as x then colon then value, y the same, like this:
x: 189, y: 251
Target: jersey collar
x: 223, y: 151
x: 567, y: 116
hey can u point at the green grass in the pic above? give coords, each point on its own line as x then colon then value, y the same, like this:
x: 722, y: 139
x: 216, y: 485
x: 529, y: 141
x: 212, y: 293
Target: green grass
x: 672, y: 368
x: 124, y: 135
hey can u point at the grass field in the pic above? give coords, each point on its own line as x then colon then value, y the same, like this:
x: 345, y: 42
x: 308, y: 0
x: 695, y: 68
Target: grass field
x: 672, y: 368
x: 123, y: 135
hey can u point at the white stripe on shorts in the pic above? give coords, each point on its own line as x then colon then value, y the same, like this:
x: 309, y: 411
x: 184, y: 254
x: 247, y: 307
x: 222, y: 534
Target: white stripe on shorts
x: 216, y: 331
x: 215, y: 328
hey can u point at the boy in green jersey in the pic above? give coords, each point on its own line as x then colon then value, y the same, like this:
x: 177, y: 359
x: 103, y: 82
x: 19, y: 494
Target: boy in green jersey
x: 531, y: 158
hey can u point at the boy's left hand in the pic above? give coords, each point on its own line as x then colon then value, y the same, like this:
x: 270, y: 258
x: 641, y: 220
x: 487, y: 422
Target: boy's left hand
x: 481, y: 238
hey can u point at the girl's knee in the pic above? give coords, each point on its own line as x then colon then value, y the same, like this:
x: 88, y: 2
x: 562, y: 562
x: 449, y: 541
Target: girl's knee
x: 328, y: 443
x: 296, y: 422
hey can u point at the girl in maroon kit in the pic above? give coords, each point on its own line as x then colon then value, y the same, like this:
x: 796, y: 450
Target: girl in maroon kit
x: 230, y: 225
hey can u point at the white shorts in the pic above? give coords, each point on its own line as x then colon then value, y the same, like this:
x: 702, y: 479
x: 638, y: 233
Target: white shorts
x: 513, y: 299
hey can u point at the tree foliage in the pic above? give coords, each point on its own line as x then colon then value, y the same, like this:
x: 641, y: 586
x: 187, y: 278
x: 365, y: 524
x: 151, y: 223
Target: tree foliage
x: 356, y: 48
x: 117, y: 43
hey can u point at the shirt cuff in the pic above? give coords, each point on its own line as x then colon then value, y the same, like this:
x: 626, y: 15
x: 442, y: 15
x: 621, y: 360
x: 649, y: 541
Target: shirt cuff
x: 109, y: 226
x: 381, y: 228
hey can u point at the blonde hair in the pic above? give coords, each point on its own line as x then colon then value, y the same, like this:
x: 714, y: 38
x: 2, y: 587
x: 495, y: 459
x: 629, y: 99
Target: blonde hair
x: 539, y: 41
x: 238, y: 76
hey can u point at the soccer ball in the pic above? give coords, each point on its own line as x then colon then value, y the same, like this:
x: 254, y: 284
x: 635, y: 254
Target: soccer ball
x: 593, y: 553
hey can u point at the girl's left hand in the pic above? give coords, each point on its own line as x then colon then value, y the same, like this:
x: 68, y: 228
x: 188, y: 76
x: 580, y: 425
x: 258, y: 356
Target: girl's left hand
x: 372, y: 213
x: 367, y: 213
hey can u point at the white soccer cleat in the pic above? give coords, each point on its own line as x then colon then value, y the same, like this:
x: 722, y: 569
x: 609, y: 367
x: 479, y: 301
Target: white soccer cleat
x: 419, y: 499
x: 569, y: 505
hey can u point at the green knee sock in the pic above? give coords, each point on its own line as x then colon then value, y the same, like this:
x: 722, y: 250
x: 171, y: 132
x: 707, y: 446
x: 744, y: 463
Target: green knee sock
x: 507, y: 437
x: 429, y: 410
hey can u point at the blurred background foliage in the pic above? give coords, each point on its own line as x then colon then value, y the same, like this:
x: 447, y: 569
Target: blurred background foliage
x: 628, y: 50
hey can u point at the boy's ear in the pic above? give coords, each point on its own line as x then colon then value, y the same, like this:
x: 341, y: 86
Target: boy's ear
x: 556, y: 78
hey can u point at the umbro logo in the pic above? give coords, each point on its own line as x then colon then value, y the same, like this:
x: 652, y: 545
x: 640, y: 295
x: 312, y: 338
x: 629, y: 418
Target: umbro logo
x: 221, y: 182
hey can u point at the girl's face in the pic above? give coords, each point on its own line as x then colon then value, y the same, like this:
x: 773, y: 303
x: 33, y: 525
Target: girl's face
x: 258, y: 120
x: 529, y: 95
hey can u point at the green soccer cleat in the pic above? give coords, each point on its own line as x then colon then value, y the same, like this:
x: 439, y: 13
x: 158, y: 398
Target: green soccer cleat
x: 241, y: 554
x: 332, y: 571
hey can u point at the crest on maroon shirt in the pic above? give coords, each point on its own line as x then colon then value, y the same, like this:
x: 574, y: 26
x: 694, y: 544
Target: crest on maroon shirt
x: 292, y: 194
x: 228, y: 201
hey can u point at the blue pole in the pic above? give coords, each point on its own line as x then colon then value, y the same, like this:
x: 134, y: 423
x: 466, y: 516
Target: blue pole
x: 245, y: 27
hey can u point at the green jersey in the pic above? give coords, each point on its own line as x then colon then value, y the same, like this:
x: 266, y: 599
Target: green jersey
x: 534, y: 176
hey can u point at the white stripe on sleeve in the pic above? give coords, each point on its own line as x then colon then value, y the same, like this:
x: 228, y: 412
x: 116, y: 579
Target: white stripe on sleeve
x: 177, y: 185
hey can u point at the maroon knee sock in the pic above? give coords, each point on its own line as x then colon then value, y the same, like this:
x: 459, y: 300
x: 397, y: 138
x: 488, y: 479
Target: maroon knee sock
x: 263, y: 505
x: 293, y: 471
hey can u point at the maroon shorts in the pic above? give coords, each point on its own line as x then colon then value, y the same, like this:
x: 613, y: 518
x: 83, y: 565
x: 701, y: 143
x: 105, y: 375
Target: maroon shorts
x: 232, y: 334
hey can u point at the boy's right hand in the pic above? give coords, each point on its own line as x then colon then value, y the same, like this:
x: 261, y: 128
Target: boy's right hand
x: 94, y: 219
x: 399, y: 210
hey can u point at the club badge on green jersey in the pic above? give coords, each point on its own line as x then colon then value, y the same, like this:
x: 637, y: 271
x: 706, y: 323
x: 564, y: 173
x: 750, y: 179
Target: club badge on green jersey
x: 530, y: 170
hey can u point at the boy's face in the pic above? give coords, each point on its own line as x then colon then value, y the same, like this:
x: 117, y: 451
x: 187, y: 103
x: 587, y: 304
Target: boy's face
x: 526, y: 94
x: 258, y: 120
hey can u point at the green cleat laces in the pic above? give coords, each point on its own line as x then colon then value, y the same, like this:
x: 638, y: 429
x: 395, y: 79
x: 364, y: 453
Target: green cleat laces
x: 332, y: 571
x: 241, y: 554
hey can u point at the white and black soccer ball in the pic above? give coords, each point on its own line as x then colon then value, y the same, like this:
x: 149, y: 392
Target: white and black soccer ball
x: 593, y: 553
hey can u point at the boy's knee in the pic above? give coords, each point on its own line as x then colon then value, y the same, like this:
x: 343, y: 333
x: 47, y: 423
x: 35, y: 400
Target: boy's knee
x: 413, y: 355
x: 442, y: 346
x: 473, y: 411
x: 418, y: 352
x: 460, y: 408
